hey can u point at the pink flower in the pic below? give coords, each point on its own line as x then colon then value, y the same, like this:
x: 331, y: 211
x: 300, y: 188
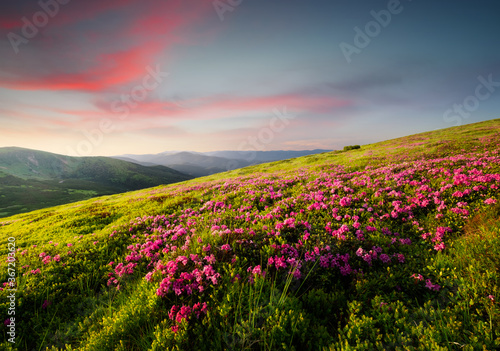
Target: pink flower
x: 199, y: 308
x: 490, y: 201
x: 345, y: 270
x: 182, y: 259
x: 430, y: 286
x: 345, y: 201
x: 184, y: 313
x: 210, y: 259
x: 491, y: 297
x: 426, y: 235
x: 368, y: 259
x: 417, y: 277
x: 173, y: 312
x: 439, y: 247
x: 257, y: 270
x: 400, y: 257
x: 46, y: 304
x: 149, y: 276
x: 290, y: 222
x: 385, y: 258
x: 226, y: 247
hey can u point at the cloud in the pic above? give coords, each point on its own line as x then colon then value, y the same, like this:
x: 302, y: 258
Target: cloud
x: 318, y: 104
x: 223, y: 106
x: 61, y: 15
x: 367, y: 82
x: 120, y: 53
x: 218, y: 113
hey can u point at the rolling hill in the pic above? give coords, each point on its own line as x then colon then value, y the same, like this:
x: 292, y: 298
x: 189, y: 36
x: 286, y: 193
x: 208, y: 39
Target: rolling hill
x: 199, y: 164
x: 393, y: 246
x: 194, y: 164
x: 31, y: 179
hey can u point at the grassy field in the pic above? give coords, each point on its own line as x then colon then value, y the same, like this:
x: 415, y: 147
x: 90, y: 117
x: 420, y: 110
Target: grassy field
x: 392, y: 246
x: 31, y: 180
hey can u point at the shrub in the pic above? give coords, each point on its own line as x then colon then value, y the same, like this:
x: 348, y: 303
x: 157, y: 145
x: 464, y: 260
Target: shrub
x: 351, y: 147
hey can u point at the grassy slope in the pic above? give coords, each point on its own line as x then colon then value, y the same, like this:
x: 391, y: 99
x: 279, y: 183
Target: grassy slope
x: 342, y: 312
x: 430, y: 144
x: 31, y: 179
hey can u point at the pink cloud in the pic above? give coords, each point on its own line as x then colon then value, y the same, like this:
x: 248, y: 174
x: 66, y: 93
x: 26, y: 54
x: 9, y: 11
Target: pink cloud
x: 8, y: 23
x: 293, y: 101
x: 136, y: 44
x: 227, y: 106
x: 109, y: 70
x: 159, y: 114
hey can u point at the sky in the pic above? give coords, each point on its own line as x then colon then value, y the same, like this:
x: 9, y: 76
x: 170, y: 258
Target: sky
x: 118, y: 77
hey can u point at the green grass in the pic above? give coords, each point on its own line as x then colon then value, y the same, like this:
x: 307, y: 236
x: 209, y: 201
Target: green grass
x: 31, y: 179
x: 379, y: 307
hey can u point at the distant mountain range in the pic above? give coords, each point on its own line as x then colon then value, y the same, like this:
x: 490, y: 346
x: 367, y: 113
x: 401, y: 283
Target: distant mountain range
x: 198, y: 164
x: 31, y: 179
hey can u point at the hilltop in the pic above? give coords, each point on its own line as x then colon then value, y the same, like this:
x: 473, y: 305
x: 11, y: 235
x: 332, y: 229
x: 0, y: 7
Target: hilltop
x: 32, y: 179
x: 392, y: 246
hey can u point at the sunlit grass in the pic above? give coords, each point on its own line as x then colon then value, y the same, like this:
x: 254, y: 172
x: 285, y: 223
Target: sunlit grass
x: 299, y: 214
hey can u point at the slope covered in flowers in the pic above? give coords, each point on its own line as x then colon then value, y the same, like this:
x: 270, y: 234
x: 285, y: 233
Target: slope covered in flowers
x: 318, y: 256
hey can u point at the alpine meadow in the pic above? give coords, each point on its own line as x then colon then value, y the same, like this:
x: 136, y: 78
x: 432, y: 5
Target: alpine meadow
x: 261, y: 175
x: 389, y: 246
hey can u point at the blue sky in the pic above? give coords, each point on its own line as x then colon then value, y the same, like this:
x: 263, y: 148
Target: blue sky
x: 115, y: 77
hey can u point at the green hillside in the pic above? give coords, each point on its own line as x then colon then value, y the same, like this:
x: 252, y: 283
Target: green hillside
x: 392, y: 246
x: 31, y: 179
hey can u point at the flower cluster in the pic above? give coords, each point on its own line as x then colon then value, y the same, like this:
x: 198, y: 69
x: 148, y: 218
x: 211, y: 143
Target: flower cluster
x: 325, y: 222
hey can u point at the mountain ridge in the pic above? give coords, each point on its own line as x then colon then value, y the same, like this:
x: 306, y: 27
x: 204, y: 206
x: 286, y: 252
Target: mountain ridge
x: 56, y: 179
x: 200, y: 164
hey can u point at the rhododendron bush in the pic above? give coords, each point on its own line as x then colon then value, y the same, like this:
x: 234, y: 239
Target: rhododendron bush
x: 313, y: 257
